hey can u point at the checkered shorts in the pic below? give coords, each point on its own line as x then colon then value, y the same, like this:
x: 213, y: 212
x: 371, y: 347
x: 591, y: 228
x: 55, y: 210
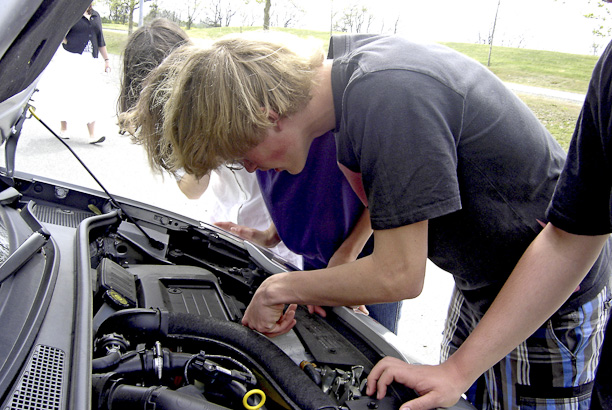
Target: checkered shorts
x: 553, y: 369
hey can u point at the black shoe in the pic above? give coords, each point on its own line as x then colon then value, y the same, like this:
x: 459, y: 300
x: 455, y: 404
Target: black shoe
x: 101, y: 139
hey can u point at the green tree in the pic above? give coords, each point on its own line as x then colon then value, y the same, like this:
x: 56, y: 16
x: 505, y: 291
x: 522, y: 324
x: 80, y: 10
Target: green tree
x: 193, y: 9
x: 602, y: 28
x: 356, y: 18
x: 118, y: 11
x: 221, y: 12
x: 122, y: 11
x: 154, y: 11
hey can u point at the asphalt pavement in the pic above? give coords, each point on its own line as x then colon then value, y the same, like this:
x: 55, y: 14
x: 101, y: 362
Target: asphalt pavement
x: 122, y: 168
x: 545, y: 92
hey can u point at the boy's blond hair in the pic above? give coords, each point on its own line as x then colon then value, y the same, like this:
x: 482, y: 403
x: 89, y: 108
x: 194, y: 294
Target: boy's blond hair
x: 207, y: 106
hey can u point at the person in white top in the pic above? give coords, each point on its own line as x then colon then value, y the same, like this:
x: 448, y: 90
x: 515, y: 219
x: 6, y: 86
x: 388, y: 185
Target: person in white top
x: 233, y: 195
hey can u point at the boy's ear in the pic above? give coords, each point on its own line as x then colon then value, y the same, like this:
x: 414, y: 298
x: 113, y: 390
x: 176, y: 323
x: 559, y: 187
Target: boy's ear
x: 274, y: 118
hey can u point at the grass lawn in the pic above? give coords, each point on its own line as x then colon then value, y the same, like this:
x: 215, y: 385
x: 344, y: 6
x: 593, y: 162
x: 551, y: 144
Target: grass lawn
x: 559, y: 117
x: 547, y: 69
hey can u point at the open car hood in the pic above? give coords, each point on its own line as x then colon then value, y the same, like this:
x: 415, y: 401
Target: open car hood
x: 31, y: 33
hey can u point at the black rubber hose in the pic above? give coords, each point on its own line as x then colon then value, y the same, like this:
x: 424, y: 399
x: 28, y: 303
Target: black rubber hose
x: 137, y: 322
x: 298, y: 387
x: 139, y: 363
x: 290, y: 378
x: 106, y: 362
x: 126, y: 397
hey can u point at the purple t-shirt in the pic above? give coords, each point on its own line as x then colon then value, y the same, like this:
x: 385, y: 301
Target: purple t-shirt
x: 315, y: 210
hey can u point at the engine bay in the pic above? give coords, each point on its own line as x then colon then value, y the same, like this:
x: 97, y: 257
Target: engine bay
x: 168, y: 331
x: 111, y: 303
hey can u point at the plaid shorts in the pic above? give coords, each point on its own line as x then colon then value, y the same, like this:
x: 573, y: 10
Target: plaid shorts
x: 552, y: 369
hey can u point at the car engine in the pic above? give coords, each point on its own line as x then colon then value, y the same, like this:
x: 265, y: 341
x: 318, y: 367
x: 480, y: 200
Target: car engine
x: 167, y: 332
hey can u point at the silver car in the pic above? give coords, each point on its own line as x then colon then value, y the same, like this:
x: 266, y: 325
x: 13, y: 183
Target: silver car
x: 107, y: 303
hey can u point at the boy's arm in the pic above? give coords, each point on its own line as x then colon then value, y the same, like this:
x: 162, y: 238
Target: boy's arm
x: 548, y: 273
x: 354, y: 243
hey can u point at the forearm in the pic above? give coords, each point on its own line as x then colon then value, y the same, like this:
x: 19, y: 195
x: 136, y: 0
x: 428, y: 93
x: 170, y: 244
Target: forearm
x: 107, y: 66
x: 547, y: 274
x: 104, y: 53
x: 393, y: 272
x: 343, y: 285
x: 354, y: 243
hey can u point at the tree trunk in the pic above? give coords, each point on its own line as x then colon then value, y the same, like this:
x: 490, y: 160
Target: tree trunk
x: 266, y: 23
x: 131, y: 20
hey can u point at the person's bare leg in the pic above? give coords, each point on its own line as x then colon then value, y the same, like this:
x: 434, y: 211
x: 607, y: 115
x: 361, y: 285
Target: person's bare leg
x: 63, y: 129
x: 92, y: 134
x: 91, y: 128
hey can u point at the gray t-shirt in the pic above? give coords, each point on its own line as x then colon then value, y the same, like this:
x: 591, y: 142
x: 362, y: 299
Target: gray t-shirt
x: 438, y: 137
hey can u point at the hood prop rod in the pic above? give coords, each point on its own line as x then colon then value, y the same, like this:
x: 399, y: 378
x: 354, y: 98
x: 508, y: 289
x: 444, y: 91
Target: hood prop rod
x: 153, y: 242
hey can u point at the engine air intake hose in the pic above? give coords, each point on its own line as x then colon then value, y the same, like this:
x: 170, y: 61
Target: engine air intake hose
x: 128, y: 397
x: 298, y: 387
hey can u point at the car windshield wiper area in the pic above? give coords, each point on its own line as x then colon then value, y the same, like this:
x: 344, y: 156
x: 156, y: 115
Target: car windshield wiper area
x: 30, y: 247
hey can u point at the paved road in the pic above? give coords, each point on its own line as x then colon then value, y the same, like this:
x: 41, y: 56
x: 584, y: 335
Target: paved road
x: 122, y: 167
x: 545, y: 92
